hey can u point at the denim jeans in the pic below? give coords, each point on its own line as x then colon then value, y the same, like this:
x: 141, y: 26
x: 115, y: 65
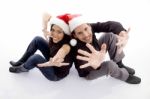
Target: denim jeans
x: 31, y: 60
x: 48, y: 72
x: 38, y: 43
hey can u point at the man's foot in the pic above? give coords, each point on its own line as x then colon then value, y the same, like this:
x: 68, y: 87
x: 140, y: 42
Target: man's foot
x: 133, y: 79
x: 18, y: 69
x: 15, y: 64
x: 130, y: 70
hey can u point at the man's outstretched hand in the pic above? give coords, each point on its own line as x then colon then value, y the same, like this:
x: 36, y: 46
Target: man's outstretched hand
x: 122, y: 40
x: 94, y: 59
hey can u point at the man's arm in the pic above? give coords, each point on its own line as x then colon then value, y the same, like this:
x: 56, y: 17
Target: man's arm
x: 109, y: 26
x: 116, y: 28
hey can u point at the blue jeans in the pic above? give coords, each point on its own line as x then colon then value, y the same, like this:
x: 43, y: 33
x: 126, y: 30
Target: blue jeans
x: 38, y: 43
x: 48, y: 72
x: 31, y: 60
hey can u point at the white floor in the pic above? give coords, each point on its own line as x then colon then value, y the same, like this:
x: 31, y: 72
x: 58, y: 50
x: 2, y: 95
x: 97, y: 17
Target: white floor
x: 20, y: 21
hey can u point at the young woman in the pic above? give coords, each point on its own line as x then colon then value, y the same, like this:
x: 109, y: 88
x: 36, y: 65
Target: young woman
x: 57, y: 61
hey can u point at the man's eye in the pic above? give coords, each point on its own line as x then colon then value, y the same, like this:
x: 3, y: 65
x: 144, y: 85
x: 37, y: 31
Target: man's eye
x: 60, y: 32
x: 85, y: 29
x: 79, y: 33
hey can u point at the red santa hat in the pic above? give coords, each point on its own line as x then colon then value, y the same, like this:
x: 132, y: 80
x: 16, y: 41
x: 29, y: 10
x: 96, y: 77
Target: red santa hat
x: 75, y: 21
x: 62, y: 22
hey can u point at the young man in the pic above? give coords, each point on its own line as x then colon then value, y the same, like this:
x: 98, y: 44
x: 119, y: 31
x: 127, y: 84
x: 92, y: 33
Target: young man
x: 90, y: 52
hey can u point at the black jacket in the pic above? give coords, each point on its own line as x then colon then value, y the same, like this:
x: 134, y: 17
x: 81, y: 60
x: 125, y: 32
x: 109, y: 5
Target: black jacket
x: 98, y: 27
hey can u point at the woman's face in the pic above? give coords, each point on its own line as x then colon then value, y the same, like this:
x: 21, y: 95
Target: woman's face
x: 57, y: 33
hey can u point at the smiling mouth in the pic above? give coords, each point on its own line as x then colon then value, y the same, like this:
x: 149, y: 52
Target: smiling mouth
x: 88, y: 38
x: 54, y: 38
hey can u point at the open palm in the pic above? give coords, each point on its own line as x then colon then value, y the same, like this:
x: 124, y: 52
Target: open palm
x: 51, y: 62
x: 94, y: 59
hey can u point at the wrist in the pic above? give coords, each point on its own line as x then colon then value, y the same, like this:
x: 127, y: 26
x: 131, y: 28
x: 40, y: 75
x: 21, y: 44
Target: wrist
x: 96, y: 67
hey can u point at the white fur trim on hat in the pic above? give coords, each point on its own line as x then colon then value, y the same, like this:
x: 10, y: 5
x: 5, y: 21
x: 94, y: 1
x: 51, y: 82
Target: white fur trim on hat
x: 77, y: 21
x: 61, y: 24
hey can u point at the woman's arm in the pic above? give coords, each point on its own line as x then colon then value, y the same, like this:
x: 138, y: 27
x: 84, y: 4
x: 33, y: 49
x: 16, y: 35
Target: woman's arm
x: 46, y: 18
x: 62, y: 52
x: 58, y: 59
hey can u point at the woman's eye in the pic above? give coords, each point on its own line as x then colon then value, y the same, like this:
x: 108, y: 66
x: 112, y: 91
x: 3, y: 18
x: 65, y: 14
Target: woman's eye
x: 52, y: 30
x: 60, y: 32
x: 79, y: 33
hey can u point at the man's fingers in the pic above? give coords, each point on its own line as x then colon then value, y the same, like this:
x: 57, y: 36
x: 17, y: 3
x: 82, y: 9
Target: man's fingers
x: 119, y: 43
x: 124, y: 33
x: 85, y: 65
x: 90, y: 47
x: 120, y: 50
x: 119, y: 37
x: 82, y: 58
x: 103, y: 47
x: 82, y: 52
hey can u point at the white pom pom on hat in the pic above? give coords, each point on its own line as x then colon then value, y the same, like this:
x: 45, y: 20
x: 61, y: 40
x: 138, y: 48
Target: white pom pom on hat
x: 75, y: 21
x: 73, y: 42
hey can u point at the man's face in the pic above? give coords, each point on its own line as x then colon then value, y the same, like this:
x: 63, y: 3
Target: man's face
x: 83, y: 33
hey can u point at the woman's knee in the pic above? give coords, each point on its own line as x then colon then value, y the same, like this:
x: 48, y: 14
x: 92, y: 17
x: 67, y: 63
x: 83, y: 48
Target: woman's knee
x: 38, y: 39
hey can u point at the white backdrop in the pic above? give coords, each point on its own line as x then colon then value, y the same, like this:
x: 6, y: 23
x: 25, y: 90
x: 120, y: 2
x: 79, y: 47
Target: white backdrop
x: 20, y: 21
